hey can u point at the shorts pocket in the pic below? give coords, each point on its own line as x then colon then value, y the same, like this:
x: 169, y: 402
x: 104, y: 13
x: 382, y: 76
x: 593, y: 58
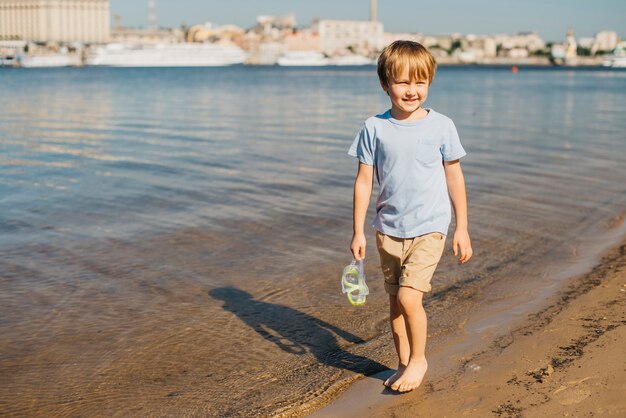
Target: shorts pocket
x: 428, y: 154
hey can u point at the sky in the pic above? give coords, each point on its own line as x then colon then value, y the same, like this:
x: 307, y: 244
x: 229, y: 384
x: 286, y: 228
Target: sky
x: 550, y: 18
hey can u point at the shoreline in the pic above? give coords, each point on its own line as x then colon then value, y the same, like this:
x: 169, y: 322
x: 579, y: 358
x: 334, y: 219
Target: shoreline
x: 537, y: 365
x: 539, y: 62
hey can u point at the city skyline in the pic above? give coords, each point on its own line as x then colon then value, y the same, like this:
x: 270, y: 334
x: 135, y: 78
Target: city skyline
x: 551, y: 21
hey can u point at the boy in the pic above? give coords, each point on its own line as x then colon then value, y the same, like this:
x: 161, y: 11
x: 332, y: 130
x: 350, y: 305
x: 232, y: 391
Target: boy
x: 414, y: 153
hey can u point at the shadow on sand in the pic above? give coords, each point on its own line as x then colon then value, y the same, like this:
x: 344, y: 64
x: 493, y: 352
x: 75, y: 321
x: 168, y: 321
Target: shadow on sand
x: 295, y: 332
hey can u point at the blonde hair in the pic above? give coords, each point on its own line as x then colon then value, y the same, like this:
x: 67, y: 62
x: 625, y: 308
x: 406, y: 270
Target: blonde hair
x: 400, y: 54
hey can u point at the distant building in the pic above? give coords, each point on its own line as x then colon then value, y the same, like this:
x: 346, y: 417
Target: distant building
x: 586, y: 42
x: 302, y: 40
x: 268, y: 53
x: 363, y: 37
x: 274, y: 27
x: 265, y: 42
x: 427, y: 41
x: 482, y: 46
x: 605, y: 41
x: 146, y: 36
x: 390, y: 37
x: 557, y: 51
x: 530, y: 41
x: 212, y: 33
x: 444, y: 42
x: 516, y: 53
x: 85, y: 21
x: 571, y: 47
x: 490, y: 47
x: 261, y: 51
x: 565, y: 53
x: 373, y: 11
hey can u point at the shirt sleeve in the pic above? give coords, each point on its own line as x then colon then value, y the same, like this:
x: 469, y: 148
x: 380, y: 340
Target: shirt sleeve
x: 451, y: 148
x: 363, y: 146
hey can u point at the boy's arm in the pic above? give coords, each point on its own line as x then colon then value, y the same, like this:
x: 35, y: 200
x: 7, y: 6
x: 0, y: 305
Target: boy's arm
x: 362, y: 192
x: 456, y: 188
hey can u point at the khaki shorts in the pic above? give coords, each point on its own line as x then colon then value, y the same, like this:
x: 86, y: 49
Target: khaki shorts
x: 409, y: 261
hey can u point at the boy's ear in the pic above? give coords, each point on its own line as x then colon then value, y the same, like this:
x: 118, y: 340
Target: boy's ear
x: 384, y: 86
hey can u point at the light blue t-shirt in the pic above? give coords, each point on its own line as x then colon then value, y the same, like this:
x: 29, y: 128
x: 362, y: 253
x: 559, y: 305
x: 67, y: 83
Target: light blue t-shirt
x: 408, y: 162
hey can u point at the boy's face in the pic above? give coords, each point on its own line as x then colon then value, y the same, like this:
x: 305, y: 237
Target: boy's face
x: 407, y: 95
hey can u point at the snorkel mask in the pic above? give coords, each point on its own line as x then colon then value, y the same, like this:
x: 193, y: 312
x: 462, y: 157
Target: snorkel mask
x: 353, y: 283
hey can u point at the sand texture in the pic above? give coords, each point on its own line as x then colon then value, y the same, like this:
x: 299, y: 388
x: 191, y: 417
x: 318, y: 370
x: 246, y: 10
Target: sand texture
x: 566, y: 360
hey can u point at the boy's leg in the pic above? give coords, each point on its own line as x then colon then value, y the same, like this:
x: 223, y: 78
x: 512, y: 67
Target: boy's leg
x: 409, y: 301
x: 390, y: 251
x: 400, y: 339
x: 419, y: 263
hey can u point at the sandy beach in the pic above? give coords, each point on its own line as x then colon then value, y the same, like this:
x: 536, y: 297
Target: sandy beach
x: 567, y: 359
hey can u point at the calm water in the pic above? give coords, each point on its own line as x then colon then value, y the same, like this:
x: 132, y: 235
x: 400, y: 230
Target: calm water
x: 172, y: 238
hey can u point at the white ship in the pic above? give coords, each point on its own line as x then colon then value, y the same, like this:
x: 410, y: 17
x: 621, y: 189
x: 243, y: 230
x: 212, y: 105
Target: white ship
x: 303, y: 59
x: 167, y: 55
x: 49, y: 60
x: 351, y: 60
x: 8, y: 61
x: 615, y: 60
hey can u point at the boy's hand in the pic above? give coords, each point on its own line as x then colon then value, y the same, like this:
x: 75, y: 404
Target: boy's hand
x: 358, y: 246
x: 461, y: 244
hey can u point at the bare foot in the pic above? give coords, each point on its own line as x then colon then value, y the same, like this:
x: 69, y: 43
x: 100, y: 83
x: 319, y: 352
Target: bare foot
x: 392, y: 379
x: 412, y: 376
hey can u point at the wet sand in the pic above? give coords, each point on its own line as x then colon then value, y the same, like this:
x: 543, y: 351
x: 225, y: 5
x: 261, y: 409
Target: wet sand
x: 566, y: 359
x: 150, y: 331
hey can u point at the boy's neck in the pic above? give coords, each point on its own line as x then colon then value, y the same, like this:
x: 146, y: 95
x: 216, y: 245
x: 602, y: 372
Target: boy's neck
x: 419, y: 113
